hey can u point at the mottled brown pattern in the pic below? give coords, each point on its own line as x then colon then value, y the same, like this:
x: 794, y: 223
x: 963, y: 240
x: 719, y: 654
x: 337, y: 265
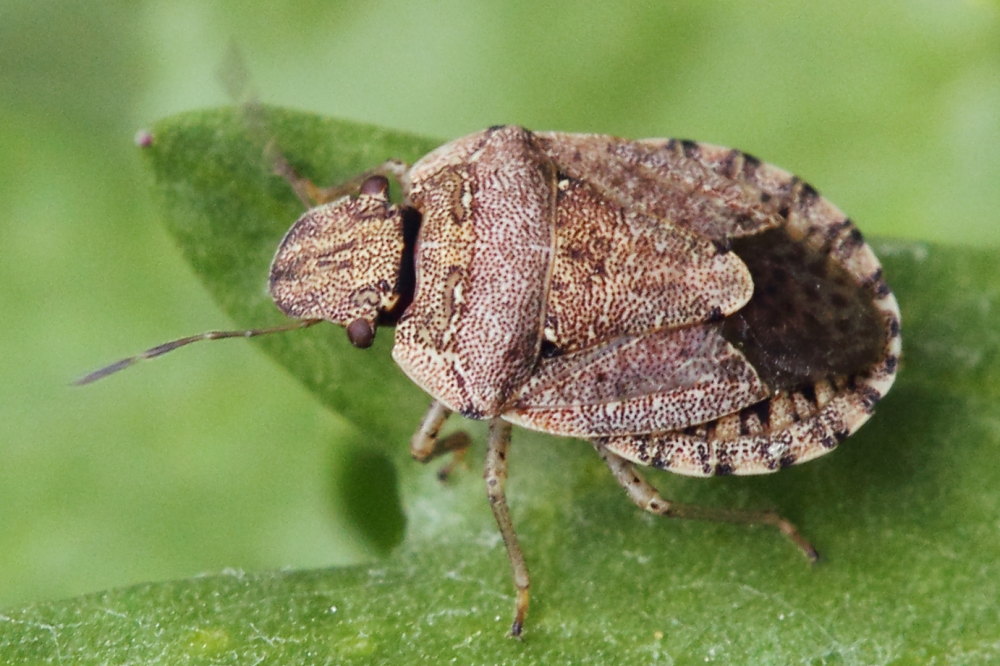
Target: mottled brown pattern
x: 471, y: 336
x: 657, y: 178
x: 663, y: 380
x: 340, y: 261
x: 637, y: 274
x: 686, y: 305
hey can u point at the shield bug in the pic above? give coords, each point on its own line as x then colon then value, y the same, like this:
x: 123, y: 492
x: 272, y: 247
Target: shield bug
x: 680, y: 305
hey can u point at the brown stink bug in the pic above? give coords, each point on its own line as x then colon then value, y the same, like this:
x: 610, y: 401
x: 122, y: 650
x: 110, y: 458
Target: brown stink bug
x: 680, y: 305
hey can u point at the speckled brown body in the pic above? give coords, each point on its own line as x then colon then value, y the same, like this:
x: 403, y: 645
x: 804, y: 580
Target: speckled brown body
x: 691, y: 307
x: 681, y: 305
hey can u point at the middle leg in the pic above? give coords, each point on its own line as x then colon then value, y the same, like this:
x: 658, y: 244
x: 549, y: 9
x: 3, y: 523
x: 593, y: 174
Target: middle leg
x: 496, y: 475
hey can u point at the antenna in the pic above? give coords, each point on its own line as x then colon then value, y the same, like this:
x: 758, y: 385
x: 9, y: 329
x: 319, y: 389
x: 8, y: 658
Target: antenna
x: 235, y: 77
x: 161, y: 349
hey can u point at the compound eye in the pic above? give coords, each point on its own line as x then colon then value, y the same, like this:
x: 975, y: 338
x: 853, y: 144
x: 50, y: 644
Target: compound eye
x: 361, y: 333
x: 375, y: 185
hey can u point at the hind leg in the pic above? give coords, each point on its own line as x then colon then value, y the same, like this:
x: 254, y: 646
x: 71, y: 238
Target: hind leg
x: 646, y: 497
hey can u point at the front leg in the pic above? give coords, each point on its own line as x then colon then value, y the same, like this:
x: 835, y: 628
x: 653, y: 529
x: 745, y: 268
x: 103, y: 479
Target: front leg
x: 425, y: 445
x: 312, y: 195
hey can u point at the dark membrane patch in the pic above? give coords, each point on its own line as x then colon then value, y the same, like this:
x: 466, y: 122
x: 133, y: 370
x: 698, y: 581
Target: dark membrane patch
x: 808, y: 319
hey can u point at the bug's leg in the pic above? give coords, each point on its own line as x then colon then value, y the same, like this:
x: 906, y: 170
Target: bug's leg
x: 646, y: 497
x: 394, y: 169
x: 425, y: 445
x: 312, y: 195
x: 495, y: 475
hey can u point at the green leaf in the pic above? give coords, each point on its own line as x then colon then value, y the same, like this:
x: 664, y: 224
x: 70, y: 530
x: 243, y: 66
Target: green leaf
x: 904, y: 514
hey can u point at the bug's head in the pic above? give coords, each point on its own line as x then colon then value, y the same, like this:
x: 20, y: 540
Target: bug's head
x: 341, y: 262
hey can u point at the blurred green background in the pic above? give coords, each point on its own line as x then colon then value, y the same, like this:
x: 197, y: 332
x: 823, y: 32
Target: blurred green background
x: 216, y: 458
